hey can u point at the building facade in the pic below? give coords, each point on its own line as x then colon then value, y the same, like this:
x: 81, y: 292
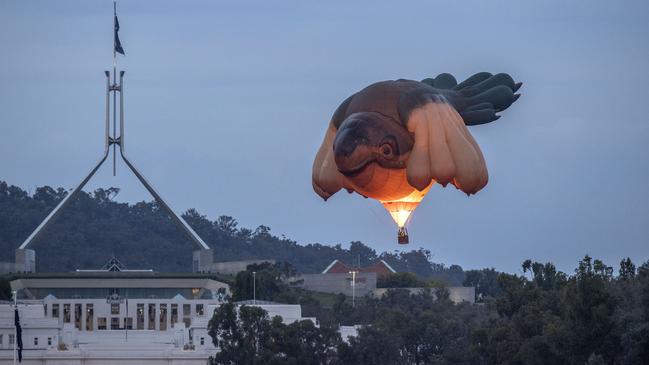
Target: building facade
x: 117, y: 317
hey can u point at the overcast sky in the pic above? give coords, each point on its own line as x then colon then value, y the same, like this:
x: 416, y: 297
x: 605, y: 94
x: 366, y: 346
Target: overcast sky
x: 227, y: 103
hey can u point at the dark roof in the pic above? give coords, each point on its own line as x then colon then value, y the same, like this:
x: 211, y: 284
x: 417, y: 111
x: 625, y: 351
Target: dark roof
x: 380, y: 267
x: 120, y: 275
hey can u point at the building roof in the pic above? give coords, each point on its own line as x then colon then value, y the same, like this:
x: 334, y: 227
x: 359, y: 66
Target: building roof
x: 133, y: 284
x: 380, y: 267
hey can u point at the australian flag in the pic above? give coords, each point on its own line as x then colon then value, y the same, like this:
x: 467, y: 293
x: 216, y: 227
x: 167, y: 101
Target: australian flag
x: 118, y: 44
x: 19, y: 336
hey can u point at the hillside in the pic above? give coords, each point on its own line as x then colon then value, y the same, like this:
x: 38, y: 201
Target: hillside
x: 94, y: 227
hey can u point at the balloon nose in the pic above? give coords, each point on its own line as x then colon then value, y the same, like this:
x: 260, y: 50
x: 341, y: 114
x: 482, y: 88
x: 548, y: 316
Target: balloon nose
x: 345, y: 143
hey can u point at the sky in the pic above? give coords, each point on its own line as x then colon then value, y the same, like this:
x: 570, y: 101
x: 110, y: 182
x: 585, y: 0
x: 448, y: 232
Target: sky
x: 226, y: 104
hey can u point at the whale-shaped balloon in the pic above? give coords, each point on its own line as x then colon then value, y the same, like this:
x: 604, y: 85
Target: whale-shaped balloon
x: 394, y: 139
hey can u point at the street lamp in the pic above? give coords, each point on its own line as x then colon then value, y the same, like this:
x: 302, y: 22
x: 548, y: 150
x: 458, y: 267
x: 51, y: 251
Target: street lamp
x: 353, y: 273
x: 254, y: 287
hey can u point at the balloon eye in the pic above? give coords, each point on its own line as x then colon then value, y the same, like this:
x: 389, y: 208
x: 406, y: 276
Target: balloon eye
x: 386, y: 150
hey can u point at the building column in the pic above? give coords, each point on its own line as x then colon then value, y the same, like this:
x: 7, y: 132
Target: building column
x: 146, y: 315
x: 157, y: 316
x: 84, y: 315
x: 168, y: 316
x: 95, y: 321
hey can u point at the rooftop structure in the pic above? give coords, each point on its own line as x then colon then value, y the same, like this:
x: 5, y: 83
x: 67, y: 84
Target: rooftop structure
x: 25, y: 258
x: 380, y: 268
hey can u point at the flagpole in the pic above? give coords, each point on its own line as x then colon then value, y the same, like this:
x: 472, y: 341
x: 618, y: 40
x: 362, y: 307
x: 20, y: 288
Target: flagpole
x: 126, y: 320
x: 15, y: 328
x: 114, y: 83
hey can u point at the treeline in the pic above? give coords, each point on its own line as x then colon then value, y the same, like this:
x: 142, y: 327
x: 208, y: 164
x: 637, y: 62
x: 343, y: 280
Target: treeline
x: 95, y: 226
x: 591, y: 317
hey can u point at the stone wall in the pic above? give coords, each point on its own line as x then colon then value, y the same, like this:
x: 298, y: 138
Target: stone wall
x: 457, y: 294
x: 338, y: 283
x: 7, y: 267
x: 232, y: 267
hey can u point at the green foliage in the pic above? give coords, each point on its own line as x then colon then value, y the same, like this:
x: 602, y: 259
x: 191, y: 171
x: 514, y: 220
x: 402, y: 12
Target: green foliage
x: 5, y: 288
x: 270, y: 281
x: 94, y: 227
x: 420, y: 262
x: 249, y: 336
x: 627, y: 269
x: 400, y: 280
x: 543, y: 317
x: 485, y: 282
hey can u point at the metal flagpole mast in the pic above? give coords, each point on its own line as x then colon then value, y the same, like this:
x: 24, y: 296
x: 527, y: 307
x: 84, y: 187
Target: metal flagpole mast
x: 15, y: 293
x: 114, y: 84
x: 126, y: 319
x: 204, y: 249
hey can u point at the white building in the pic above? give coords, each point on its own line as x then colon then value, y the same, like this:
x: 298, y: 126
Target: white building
x: 117, y: 317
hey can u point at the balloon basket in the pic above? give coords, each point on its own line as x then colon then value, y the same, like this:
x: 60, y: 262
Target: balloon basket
x: 402, y: 236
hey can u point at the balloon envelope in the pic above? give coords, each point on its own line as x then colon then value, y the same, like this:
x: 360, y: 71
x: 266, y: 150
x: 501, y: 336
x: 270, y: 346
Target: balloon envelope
x: 393, y: 140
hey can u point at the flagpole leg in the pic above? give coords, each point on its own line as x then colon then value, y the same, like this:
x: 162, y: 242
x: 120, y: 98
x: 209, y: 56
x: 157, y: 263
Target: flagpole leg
x: 114, y: 83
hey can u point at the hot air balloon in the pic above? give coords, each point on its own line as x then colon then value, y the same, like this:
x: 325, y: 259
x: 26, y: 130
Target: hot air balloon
x: 394, y: 139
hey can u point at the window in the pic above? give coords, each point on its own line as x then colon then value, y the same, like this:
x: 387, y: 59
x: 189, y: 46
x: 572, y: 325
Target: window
x: 195, y: 292
x: 174, y: 314
x: 11, y: 339
x: 49, y: 341
x: 163, y: 317
x: 77, y: 316
x: 55, y: 310
x: 45, y: 309
x: 114, y: 323
x: 140, y: 316
x: 90, y: 316
x: 1, y: 339
x: 151, y: 316
x: 35, y: 341
x: 202, y: 341
x: 66, y: 313
x: 199, y: 309
x: 187, y: 308
x: 128, y: 323
x: 101, y: 323
x: 114, y: 308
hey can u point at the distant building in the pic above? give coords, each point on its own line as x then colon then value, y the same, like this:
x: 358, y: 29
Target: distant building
x: 380, y: 268
x: 232, y: 267
x: 118, y: 316
x: 336, y: 279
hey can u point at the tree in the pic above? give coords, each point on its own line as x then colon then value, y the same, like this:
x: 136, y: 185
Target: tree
x: 485, y: 282
x: 262, y: 231
x: 302, y: 343
x: 247, y: 336
x: 589, y: 308
x: 362, y: 253
x: 373, y: 346
x: 238, y: 334
x: 267, y: 286
x: 227, y: 225
x: 5, y: 288
x: 627, y: 269
x: 400, y: 280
